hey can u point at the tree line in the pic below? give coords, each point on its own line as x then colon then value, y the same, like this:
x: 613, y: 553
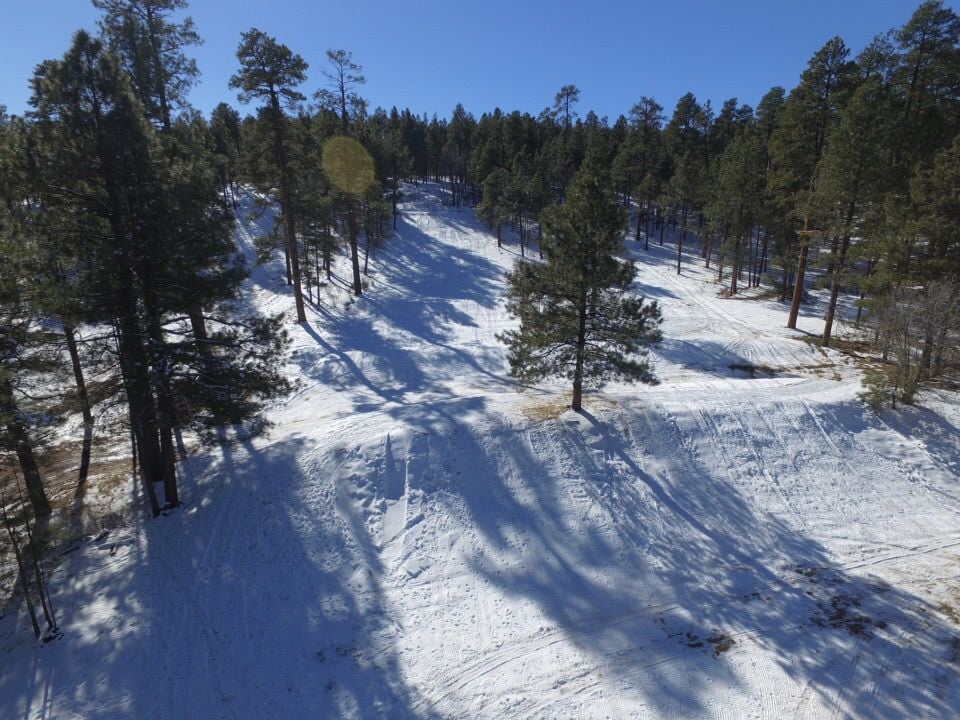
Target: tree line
x: 861, y: 158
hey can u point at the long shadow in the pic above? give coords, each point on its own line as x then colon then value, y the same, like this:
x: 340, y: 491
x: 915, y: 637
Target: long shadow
x: 937, y: 433
x: 659, y: 580
x: 405, y: 335
x: 255, y: 603
x: 709, y: 356
x: 940, y: 441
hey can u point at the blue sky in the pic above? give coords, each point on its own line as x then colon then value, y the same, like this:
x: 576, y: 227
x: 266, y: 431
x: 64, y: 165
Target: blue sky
x: 429, y: 55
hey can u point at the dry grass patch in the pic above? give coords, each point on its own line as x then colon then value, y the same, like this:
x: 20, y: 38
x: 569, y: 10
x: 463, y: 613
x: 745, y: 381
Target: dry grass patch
x: 542, y: 411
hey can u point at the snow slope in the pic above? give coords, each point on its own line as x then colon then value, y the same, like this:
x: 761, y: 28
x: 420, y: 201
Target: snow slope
x: 421, y: 537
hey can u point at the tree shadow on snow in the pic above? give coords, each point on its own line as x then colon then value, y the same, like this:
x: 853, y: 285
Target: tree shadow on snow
x: 660, y: 583
x: 406, y: 334
x: 258, y: 602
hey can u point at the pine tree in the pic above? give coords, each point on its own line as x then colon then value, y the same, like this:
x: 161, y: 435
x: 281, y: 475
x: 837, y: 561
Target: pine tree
x: 852, y: 176
x: 739, y: 194
x: 798, y: 143
x: 150, y: 46
x: 350, y: 170
x: 144, y: 210
x: 227, y: 139
x: 343, y: 75
x: 578, y: 319
x: 22, y: 340
x: 492, y: 208
x: 925, y: 82
x: 271, y: 72
x: 563, y: 102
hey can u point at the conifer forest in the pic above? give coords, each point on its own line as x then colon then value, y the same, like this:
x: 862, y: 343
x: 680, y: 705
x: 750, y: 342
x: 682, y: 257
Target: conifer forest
x: 315, y: 408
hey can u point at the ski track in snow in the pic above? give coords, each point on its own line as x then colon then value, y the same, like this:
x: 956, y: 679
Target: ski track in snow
x: 414, y: 539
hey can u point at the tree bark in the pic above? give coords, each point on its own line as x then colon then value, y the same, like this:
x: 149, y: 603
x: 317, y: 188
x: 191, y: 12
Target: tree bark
x: 736, y: 267
x: 19, y: 438
x: 577, y: 400
x: 798, y: 284
x: 354, y: 251
x: 287, y: 207
x: 835, y: 289
x: 70, y: 334
x: 136, y: 381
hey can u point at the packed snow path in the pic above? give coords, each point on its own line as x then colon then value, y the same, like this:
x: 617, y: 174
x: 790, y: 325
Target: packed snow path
x: 420, y: 537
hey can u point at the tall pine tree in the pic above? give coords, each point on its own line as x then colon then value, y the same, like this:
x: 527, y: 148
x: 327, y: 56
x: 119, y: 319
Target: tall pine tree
x: 578, y: 318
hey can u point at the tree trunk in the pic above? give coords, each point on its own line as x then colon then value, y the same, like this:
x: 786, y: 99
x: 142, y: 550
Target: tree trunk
x: 736, y: 267
x: 798, y: 284
x: 327, y: 242
x: 870, y: 264
x: 287, y: 208
x: 577, y: 401
x: 835, y: 289
x: 396, y: 190
x: 763, y: 259
x: 136, y: 381
x: 151, y: 491
x: 171, y: 493
x: 69, y: 333
x: 294, y: 255
x: 19, y: 439
x: 354, y: 251
x: 366, y: 253
x: 21, y: 572
x: 680, y: 248
x: 166, y: 413
x: 28, y: 466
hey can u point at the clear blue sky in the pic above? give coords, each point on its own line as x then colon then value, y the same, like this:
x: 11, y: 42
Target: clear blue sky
x: 430, y: 54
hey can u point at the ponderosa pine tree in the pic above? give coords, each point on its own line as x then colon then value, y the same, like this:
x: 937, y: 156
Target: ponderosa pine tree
x: 563, y: 102
x: 851, y: 179
x: 227, y: 140
x: 147, y: 217
x: 150, y: 45
x: 738, y: 197
x: 343, y: 76
x: 685, y: 137
x: 92, y: 157
x: 50, y: 265
x: 492, y: 208
x: 924, y: 81
x: 798, y: 143
x: 578, y: 318
x: 22, y: 340
x: 271, y: 72
x: 350, y: 169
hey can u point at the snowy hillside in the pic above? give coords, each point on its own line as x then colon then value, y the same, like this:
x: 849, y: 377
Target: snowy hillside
x: 420, y: 537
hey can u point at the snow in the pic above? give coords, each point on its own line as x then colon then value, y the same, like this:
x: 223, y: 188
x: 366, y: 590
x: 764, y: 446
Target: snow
x: 419, y: 536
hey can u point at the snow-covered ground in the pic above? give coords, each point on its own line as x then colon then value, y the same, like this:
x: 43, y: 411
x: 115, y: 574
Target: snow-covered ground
x: 420, y: 536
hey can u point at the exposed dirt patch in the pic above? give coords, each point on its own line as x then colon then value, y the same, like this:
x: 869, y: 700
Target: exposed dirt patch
x: 553, y: 409
x: 753, y: 370
x: 78, y: 510
x: 951, y: 611
x: 843, y: 611
x: 721, y: 643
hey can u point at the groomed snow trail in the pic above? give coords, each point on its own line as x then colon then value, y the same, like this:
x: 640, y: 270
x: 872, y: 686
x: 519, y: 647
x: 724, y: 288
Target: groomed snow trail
x: 420, y: 537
